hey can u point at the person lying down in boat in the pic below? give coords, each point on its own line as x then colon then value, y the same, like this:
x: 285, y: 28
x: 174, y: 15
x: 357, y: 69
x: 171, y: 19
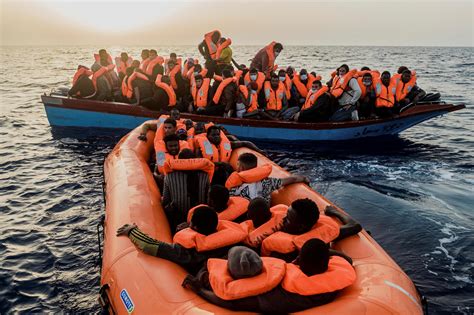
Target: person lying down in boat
x: 246, y: 282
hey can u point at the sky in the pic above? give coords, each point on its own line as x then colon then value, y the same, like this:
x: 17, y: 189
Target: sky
x: 257, y: 22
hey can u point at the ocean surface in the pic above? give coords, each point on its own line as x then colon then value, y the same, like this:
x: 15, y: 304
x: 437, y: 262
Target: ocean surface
x: 414, y: 193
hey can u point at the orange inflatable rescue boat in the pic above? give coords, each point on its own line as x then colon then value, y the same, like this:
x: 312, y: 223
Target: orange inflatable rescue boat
x: 133, y: 282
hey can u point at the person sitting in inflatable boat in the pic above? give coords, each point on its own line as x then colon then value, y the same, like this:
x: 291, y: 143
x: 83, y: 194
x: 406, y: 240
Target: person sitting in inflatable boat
x: 251, y: 181
x: 216, y: 147
x: 227, y: 207
x: 302, y: 222
x: 207, y: 237
x: 247, y: 282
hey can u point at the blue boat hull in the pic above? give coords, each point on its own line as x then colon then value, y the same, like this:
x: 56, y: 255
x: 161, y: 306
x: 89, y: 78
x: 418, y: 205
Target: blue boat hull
x: 63, y: 115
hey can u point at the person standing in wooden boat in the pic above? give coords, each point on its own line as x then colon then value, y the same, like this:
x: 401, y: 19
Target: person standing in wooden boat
x: 223, y: 55
x: 264, y: 60
x: 208, y: 49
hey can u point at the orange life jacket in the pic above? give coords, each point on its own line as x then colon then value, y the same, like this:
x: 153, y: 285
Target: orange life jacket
x: 198, y: 164
x: 228, y: 288
x: 288, y: 83
x: 200, y: 96
x: 326, y: 229
x: 190, y: 74
x: 236, y: 207
x: 253, y: 105
x: 274, y: 97
x: 109, y: 59
x: 220, y: 47
x: 313, y: 97
x: 158, y: 60
x: 133, y: 77
x: 397, y: 76
x: 375, y: 74
x: 160, y: 132
x: 339, y: 84
x: 249, y: 176
x: 102, y: 71
x: 339, y: 275
x: 363, y: 88
x: 228, y: 233
x: 304, y: 88
x: 124, y: 88
x: 213, y: 153
x: 178, y: 62
x: 238, y: 75
x: 260, y: 80
x: 185, y: 69
x: 79, y: 73
x: 168, y: 89
x: 121, y: 65
x: 257, y: 235
x: 144, y: 64
x: 385, y: 95
x: 211, y: 46
x: 162, y: 155
x: 271, y: 56
x: 220, y: 89
x: 404, y: 88
x: 172, y: 74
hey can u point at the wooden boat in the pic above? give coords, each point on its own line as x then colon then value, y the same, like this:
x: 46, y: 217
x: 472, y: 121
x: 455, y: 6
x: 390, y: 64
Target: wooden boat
x: 69, y: 112
x: 135, y: 282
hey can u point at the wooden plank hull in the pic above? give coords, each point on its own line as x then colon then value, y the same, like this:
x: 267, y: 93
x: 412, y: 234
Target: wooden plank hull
x: 64, y: 112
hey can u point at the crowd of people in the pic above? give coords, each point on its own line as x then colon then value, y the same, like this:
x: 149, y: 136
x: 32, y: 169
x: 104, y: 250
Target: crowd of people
x: 241, y: 253
x: 222, y: 87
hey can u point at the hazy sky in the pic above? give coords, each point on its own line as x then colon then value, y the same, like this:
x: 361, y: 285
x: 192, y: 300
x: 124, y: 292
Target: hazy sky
x: 126, y: 22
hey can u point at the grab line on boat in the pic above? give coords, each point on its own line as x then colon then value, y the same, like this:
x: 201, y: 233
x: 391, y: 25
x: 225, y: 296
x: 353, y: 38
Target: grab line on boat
x: 399, y: 288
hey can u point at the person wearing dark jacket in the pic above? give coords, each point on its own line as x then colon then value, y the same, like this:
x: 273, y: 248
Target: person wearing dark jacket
x: 83, y: 86
x: 207, y: 237
x: 318, y: 109
x: 104, y: 88
x: 225, y: 103
x: 247, y: 282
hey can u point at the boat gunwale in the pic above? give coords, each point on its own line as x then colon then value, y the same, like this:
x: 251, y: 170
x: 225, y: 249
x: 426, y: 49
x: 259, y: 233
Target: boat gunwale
x: 136, y: 111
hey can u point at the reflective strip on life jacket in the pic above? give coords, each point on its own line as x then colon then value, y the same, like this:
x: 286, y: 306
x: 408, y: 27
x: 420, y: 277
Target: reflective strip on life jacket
x: 274, y: 98
x: 249, y: 176
x: 228, y: 233
x: 211, y: 152
x: 197, y: 164
x: 339, y: 275
x: 313, y: 97
x: 228, y: 288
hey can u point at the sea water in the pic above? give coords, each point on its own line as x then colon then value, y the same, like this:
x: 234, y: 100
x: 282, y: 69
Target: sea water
x: 414, y: 193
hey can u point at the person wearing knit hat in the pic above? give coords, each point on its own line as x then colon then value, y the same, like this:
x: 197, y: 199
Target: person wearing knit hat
x: 243, y: 262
